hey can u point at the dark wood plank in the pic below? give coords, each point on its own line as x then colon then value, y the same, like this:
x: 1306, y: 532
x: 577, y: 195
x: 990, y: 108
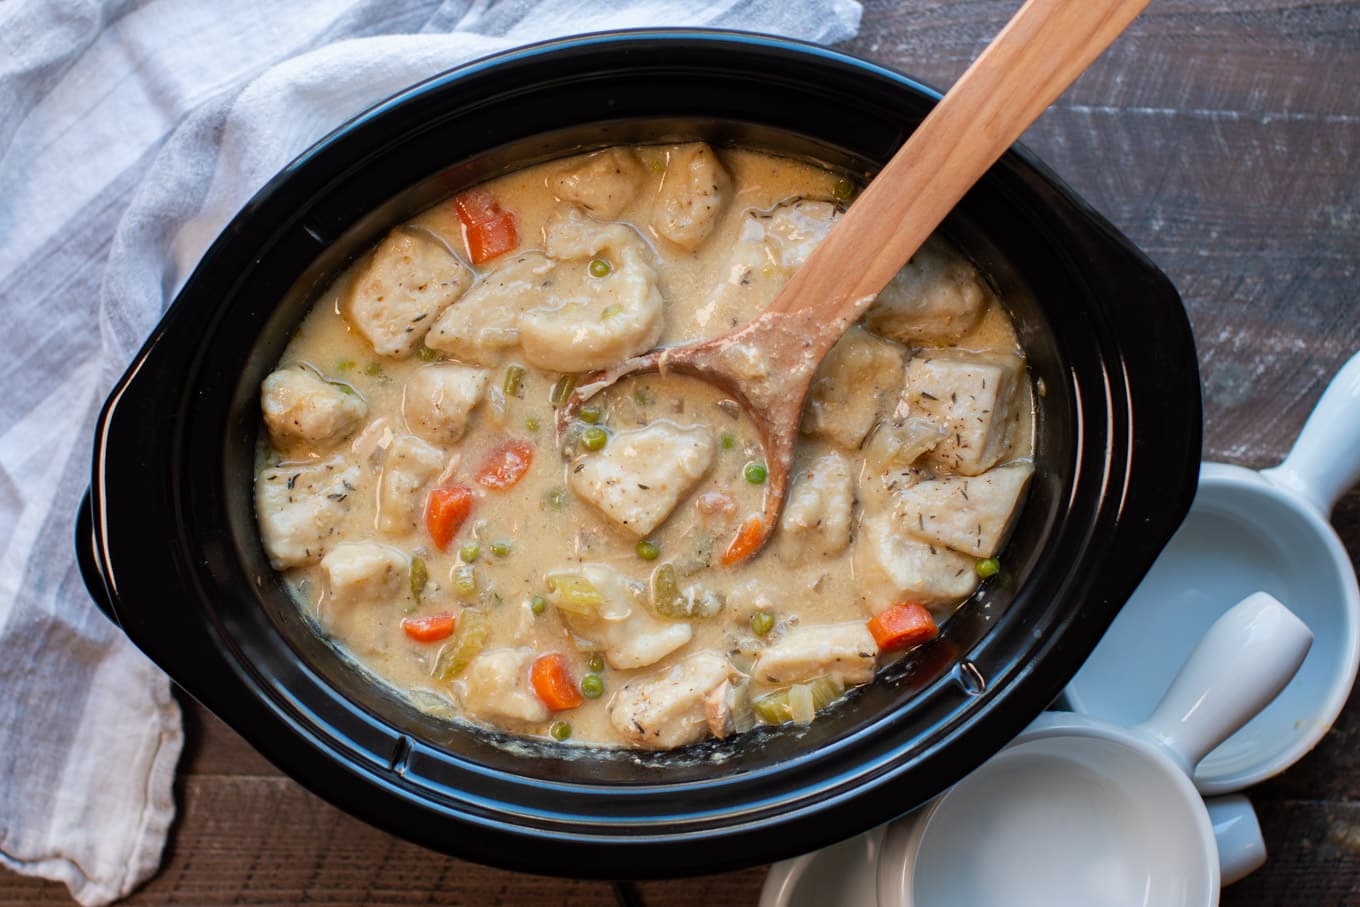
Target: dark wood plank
x: 1313, y: 849
x: 265, y: 840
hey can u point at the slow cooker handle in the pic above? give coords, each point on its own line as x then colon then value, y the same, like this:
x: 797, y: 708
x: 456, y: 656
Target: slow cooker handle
x: 88, y: 562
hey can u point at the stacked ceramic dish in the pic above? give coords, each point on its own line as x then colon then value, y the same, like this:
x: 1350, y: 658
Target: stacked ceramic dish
x: 1104, y: 803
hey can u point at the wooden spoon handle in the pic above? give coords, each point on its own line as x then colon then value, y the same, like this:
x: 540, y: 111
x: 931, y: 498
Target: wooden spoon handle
x: 1038, y: 54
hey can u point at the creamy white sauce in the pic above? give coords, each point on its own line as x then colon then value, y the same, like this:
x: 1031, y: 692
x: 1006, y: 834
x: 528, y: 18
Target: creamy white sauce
x: 545, y: 527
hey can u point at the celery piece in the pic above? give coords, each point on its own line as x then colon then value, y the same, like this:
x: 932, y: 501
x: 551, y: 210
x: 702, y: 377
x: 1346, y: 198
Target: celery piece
x: 801, y: 709
x: 691, y: 603
x: 465, y: 580
x: 574, y: 594
x: 473, y: 629
x: 666, y: 599
x: 562, y: 390
x: 772, y: 709
x: 420, y: 575
x: 799, y: 702
x: 514, y: 382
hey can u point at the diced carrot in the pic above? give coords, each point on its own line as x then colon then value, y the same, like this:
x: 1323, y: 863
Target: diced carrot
x: 492, y: 238
x: 747, y: 540
x: 430, y: 628
x: 488, y: 229
x: 902, y: 626
x: 477, y: 205
x: 445, y: 510
x: 553, y: 684
x: 505, y: 465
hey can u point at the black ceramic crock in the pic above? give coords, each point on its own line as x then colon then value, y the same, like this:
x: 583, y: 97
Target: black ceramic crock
x: 169, y: 548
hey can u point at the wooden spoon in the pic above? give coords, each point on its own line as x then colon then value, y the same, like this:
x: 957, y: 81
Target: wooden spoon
x: 768, y: 364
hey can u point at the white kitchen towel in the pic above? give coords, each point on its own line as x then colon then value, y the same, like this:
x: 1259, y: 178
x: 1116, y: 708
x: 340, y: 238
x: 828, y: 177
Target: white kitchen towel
x: 131, y: 131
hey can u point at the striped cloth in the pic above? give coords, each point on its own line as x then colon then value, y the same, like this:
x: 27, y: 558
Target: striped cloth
x: 131, y: 131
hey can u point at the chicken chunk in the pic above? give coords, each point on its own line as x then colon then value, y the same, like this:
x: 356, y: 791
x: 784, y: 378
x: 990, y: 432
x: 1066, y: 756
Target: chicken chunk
x: 891, y: 566
x: 300, y: 508
x: 484, y: 325
x: 670, y: 709
x: 641, y: 639
x: 639, y: 478
x: 859, y: 380
x: 410, y: 279
x: 496, y: 686
x: 604, y: 185
x: 439, y: 399
x: 365, y: 574
x: 937, y: 298
x: 844, y: 651
x: 301, y: 408
x: 796, y: 228
x: 816, y: 520
x: 972, y: 514
x: 366, y: 587
x: 621, y: 623
x: 693, y: 195
x: 768, y: 249
x: 552, y: 306
x: 410, y: 465
x: 590, y: 322
x: 974, y: 397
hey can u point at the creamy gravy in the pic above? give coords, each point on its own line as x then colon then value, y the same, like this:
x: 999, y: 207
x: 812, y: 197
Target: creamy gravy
x: 338, y: 472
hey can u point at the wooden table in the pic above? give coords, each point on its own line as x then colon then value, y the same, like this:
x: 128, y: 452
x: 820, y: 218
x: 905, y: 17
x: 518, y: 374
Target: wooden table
x: 1223, y: 137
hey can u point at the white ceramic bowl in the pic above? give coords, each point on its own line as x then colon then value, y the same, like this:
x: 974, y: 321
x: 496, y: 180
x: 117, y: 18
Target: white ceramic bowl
x: 1246, y: 531
x: 1079, y: 811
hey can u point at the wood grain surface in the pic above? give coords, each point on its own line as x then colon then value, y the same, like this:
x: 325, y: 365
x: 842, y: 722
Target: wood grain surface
x: 1223, y: 137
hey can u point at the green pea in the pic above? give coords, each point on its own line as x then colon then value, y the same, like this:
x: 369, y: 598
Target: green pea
x: 755, y: 473
x: 728, y: 441
x: 500, y: 548
x: 599, y: 267
x: 591, y: 414
x: 538, y: 604
x: 531, y: 423
x: 592, y: 687
x: 988, y: 566
x: 648, y: 550
x: 469, y: 552
x: 596, y: 662
x: 557, y: 499
x: 425, y: 354
x: 594, y: 438
x: 762, y: 622
x: 559, y: 730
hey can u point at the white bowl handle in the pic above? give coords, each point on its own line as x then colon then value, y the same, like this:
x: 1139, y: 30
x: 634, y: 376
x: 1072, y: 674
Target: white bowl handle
x: 1325, y: 460
x: 1241, y: 664
x: 1241, y: 849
